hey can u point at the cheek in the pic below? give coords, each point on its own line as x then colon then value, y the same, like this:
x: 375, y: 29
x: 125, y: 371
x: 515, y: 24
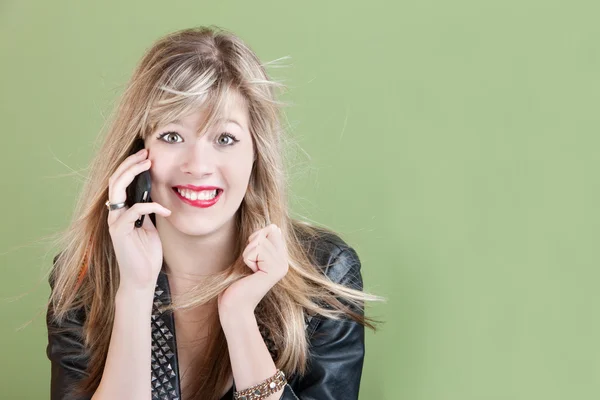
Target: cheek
x: 158, y: 169
x: 242, y: 165
x: 237, y: 178
x: 240, y: 168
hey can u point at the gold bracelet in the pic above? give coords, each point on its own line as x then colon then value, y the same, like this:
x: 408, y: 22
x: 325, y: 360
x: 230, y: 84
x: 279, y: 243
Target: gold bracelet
x: 263, y: 389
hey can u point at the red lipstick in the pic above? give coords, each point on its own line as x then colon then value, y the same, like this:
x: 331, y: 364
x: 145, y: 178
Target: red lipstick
x: 199, y: 203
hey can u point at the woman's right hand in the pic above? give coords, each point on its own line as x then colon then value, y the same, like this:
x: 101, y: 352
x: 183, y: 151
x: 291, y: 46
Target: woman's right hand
x: 138, y: 250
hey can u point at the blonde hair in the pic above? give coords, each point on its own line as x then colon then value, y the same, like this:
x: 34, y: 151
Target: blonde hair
x: 181, y: 73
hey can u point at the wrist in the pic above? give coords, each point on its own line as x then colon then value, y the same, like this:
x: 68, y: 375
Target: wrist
x: 236, y: 320
x: 134, y: 296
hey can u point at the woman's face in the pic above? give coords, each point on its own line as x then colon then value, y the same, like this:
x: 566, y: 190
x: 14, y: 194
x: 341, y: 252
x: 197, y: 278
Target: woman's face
x: 186, y: 169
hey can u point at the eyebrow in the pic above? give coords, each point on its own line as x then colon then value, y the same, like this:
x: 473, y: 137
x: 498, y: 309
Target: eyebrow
x: 178, y: 122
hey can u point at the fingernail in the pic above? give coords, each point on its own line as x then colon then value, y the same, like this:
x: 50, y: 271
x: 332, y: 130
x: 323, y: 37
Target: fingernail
x: 141, y: 151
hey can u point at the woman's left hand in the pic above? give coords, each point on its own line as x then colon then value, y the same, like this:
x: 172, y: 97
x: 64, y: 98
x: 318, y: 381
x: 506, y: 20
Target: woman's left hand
x: 266, y: 255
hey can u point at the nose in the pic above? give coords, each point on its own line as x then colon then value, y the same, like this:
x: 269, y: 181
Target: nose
x: 199, y: 159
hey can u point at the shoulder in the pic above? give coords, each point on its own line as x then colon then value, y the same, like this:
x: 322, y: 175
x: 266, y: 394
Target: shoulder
x: 332, y: 254
x: 52, y: 275
x: 74, y: 318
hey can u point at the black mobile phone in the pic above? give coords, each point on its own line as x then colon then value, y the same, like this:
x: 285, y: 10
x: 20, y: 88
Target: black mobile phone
x: 139, y: 189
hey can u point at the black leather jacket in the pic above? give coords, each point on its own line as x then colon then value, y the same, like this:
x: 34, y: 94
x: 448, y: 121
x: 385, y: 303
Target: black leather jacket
x: 336, y: 346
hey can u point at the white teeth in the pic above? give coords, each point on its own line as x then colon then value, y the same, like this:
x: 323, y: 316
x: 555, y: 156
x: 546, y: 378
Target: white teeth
x: 202, y: 195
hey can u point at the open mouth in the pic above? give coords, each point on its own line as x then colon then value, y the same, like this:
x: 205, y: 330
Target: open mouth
x: 203, y: 198
x: 201, y: 195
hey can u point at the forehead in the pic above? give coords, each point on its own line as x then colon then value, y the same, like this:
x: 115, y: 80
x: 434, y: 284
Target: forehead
x: 235, y: 112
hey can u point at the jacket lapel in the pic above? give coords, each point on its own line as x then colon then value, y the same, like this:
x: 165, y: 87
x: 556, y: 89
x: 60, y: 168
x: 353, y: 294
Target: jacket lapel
x: 165, y: 369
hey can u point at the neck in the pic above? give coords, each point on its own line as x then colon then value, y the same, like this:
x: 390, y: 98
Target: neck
x: 188, y: 259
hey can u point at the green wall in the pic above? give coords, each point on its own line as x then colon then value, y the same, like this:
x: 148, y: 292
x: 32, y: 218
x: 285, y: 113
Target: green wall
x: 454, y: 145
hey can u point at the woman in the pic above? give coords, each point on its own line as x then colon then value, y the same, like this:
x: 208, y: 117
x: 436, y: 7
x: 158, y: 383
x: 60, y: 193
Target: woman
x: 219, y: 293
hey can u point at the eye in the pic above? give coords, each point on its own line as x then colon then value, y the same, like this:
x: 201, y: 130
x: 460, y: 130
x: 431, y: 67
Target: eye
x: 231, y: 137
x: 162, y: 135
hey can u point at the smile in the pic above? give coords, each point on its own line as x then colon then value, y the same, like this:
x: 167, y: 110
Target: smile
x: 202, y: 199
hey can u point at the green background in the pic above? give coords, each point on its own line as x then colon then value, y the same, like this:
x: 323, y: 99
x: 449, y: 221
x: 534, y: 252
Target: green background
x: 454, y: 145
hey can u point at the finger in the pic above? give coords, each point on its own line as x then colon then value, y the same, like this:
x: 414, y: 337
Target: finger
x: 147, y: 224
x: 261, y: 236
x: 119, y: 183
x: 272, y: 228
x: 264, y: 248
x: 132, y: 214
x: 275, y: 252
x: 267, y: 255
x: 250, y: 252
x: 251, y: 264
x: 250, y: 259
x: 251, y: 247
x: 265, y: 229
x: 257, y: 260
x: 117, y: 190
x: 125, y: 165
x: 129, y: 161
x: 276, y: 238
x: 271, y: 231
x: 247, y: 249
x: 251, y: 237
x: 263, y: 256
x: 256, y: 236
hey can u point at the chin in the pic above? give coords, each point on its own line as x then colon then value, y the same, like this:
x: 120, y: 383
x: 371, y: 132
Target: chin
x: 188, y: 227
x: 199, y: 226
